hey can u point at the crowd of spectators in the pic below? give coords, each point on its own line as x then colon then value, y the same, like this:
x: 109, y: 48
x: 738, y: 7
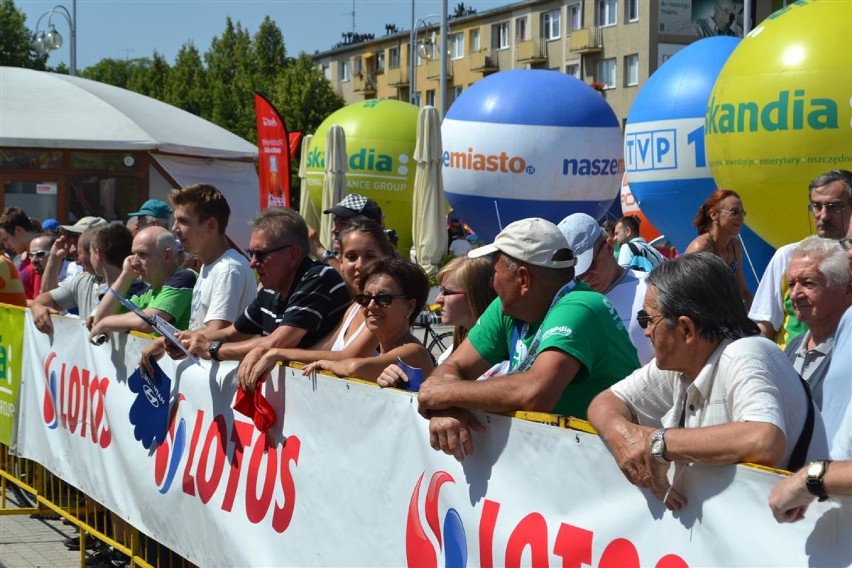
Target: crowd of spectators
x: 663, y: 357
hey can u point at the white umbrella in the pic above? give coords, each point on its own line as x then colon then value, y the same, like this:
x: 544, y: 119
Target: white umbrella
x: 306, y: 206
x: 334, y: 182
x: 429, y: 208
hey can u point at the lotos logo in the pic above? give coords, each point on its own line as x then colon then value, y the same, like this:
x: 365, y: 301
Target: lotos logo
x: 256, y: 475
x: 747, y: 116
x: 419, y: 551
x: 75, y: 399
x: 477, y: 162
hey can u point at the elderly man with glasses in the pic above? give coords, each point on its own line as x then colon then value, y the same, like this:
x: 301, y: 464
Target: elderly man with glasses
x: 716, y: 393
x: 831, y: 205
x: 300, y: 302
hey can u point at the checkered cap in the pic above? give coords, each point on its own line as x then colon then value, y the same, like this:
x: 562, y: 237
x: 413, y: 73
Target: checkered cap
x: 355, y: 204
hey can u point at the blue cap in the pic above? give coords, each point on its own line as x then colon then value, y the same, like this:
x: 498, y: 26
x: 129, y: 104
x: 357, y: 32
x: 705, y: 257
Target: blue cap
x: 50, y: 225
x: 153, y: 208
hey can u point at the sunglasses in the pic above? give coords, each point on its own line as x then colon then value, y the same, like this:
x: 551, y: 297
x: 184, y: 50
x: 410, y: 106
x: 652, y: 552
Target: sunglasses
x: 643, y: 319
x: 261, y: 254
x: 40, y: 253
x: 446, y: 292
x: 833, y: 207
x: 735, y: 212
x: 383, y: 300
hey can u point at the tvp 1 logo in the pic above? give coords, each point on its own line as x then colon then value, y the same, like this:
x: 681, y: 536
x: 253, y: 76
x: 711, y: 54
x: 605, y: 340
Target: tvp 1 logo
x: 419, y: 550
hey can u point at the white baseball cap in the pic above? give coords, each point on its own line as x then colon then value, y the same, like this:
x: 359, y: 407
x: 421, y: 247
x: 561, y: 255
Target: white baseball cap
x: 582, y: 232
x: 533, y: 241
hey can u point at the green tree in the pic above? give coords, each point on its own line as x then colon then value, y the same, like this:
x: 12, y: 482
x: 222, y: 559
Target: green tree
x: 16, y: 41
x: 149, y: 76
x: 186, y: 85
x: 231, y: 72
x: 114, y: 72
x: 303, y: 95
x: 270, y: 53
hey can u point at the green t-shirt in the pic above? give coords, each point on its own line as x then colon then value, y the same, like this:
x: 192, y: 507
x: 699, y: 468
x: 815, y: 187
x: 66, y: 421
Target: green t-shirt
x: 582, y: 324
x: 174, y: 298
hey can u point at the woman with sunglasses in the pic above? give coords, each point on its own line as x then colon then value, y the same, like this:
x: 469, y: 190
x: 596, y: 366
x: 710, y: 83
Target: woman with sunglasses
x: 393, y: 292
x: 464, y: 294
x: 361, y: 243
x: 719, y: 220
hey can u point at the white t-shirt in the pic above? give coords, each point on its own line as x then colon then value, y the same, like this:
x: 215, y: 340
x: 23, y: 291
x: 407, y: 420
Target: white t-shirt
x: 748, y: 380
x: 460, y: 247
x: 223, y: 290
x: 837, y: 392
x: 768, y: 302
x: 627, y: 296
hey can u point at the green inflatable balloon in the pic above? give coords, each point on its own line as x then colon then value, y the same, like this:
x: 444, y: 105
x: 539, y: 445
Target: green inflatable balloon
x: 380, y: 140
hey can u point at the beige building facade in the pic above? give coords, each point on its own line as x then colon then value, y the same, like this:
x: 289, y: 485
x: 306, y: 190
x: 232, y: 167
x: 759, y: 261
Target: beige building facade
x: 614, y: 45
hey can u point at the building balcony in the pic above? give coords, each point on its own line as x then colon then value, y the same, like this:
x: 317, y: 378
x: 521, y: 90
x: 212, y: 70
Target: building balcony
x: 397, y: 77
x: 532, y: 51
x: 364, y: 83
x: 433, y: 69
x: 483, y: 62
x: 586, y: 40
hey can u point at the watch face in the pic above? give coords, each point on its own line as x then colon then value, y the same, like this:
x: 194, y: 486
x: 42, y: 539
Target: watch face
x: 657, y: 447
x: 815, y: 469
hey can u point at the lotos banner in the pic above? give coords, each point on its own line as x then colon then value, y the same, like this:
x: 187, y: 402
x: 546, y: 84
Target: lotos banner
x: 276, y: 148
x: 346, y: 477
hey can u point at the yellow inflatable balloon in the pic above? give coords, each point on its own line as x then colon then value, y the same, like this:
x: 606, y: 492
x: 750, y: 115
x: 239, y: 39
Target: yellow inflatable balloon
x: 780, y: 114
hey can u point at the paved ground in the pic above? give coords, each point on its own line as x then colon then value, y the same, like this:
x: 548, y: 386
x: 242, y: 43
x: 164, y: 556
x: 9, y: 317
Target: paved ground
x: 27, y: 542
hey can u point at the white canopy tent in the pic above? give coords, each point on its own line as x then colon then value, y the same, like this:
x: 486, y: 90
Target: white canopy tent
x: 40, y: 110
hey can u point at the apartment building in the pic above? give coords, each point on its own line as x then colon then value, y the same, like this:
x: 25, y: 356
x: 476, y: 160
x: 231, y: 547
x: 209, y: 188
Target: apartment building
x: 614, y: 45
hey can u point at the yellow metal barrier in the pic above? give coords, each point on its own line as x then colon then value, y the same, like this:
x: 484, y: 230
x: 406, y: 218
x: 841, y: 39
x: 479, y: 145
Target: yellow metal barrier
x: 36, y: 491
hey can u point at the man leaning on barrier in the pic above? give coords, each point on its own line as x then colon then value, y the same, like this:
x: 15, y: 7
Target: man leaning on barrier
x: 716, y: 392
x: 565, y: 342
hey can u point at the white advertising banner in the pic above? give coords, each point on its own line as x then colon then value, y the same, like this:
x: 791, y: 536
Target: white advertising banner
x: 346, y: 477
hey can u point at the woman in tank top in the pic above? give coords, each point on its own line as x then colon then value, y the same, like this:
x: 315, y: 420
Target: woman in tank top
x: 719, y: 220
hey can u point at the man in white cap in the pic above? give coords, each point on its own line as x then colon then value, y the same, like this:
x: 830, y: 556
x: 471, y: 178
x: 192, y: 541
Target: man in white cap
x: 597, y: 267
x: 564, y: 342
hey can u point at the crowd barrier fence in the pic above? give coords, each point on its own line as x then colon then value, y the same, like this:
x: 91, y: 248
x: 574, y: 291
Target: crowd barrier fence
x: 345, y: 475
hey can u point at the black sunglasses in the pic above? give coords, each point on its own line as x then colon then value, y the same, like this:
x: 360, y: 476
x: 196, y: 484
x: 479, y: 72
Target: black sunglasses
x: 261, y: 254
x: 383, y: 300
x: 643, y: 319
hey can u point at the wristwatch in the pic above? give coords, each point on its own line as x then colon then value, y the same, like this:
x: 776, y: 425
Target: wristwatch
x: 213, y: 350
x: 658, y: 446
x: 813, y: 481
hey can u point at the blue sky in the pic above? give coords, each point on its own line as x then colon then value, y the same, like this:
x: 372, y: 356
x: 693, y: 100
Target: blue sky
x: 135, y: 28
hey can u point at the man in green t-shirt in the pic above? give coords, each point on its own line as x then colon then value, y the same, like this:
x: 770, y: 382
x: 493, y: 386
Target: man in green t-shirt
x: 155, y: 260
x: 564, y: 342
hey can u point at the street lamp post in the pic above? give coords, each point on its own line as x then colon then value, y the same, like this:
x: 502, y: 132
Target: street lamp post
x: 47, y: 42
x: 416, y: 49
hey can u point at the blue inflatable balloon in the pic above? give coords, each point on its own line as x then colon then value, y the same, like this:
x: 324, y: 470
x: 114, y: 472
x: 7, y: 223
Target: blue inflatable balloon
x: 664, y: 149
x: 530, y: 143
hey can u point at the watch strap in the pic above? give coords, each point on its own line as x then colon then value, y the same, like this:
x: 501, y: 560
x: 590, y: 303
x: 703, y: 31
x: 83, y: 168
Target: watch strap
x: 213, y: 350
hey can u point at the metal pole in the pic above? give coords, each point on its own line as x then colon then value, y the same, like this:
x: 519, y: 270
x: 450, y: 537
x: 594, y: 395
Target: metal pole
x: 73, y: 37
x: 443, y: 53
x: 412, y: 77
x: 746, y: 17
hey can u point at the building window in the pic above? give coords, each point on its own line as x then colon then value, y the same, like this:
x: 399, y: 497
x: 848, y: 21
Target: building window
x: 632, y: 9
x: 521, y: 33
x: 500, y: 35
x: 393, y: 57
x: 573, y: 70
x: 380, y: 62
x: 455, y: 93
x: 326, y: 71
x: 575, y: 17
x: 358, y: 66
x: 474, y: 40
x: 550, y: 25
x: 606, y: 73
x: 607, y: 10
x: 457, y: 46
x: 343, y: 71
x: 631, y: 70
x: 430, y: 97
